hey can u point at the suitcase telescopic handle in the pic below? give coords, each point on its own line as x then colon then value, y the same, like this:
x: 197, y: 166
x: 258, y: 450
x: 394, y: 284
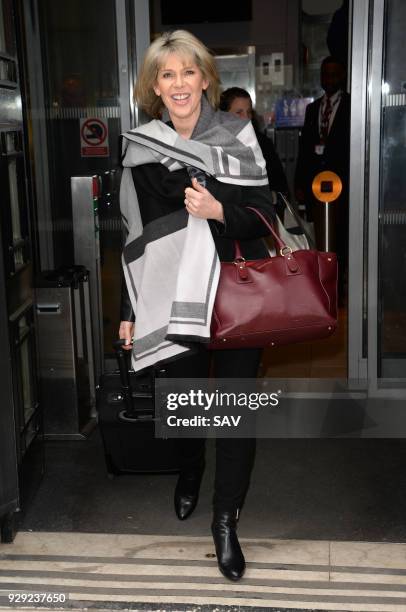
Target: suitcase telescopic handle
x: 124, y: 376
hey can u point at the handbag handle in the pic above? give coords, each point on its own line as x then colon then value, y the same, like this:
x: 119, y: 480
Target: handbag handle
x: 283, y: 248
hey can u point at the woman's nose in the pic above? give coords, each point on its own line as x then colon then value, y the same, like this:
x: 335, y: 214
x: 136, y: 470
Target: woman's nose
x: 179, y: 80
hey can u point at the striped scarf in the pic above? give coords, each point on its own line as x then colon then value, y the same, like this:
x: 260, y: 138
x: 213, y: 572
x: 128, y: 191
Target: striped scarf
x: 171, y: 266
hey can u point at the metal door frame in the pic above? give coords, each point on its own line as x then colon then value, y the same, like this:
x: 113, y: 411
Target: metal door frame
x: 133, y: 38
x: 375, y: 105
x: 38, y: 117
x: 357, y: 359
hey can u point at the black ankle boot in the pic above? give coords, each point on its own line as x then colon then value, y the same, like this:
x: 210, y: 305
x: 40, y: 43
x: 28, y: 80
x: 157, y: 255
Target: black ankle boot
x: 230, y: 559
x: 187, y: 493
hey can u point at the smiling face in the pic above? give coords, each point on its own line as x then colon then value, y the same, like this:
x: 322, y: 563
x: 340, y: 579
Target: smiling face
x: 242, y: 107
x: 180, y: 84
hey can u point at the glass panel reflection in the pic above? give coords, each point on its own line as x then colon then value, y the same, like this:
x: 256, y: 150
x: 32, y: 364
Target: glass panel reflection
x: 392, y: 263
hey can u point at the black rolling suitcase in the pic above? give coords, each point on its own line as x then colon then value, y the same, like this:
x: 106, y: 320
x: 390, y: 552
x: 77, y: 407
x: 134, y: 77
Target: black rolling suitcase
x: 125, y: 406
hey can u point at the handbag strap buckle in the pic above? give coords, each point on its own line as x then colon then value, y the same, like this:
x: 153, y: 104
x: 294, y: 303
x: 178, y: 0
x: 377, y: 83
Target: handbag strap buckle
x: 242, y: 271
x: 290, y: 260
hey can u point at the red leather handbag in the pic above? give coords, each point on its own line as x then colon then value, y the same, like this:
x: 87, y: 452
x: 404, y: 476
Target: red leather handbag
x: 289, y: 298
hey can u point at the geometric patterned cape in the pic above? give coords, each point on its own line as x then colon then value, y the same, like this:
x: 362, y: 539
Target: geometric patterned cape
x: 171, y: 266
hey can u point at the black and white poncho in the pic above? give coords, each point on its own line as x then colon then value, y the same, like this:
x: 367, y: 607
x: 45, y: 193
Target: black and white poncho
x: 171, y: 266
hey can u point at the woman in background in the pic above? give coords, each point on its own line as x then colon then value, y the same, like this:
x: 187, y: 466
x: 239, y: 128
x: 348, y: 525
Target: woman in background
x: 238, y: 101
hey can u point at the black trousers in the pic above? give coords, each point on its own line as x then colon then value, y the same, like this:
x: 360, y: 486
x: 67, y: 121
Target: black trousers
x: 234, y: 456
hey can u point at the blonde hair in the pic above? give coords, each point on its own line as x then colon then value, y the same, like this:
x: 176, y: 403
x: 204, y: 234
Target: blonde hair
x: 185, y: 44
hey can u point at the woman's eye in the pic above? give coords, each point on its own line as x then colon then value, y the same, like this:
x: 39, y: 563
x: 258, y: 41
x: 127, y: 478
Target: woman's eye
x: 190, y: 71
x: 166, y: 75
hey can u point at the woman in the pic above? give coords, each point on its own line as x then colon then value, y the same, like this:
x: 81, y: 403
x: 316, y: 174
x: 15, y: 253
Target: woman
x: 238, y: 101
x: 188, y: 178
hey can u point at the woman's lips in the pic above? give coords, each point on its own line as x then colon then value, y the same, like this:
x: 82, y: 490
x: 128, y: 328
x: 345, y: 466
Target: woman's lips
x: 180, y: 99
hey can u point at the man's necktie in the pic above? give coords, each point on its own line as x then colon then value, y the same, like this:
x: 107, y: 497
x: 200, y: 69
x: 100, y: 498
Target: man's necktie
x: 325, y: 119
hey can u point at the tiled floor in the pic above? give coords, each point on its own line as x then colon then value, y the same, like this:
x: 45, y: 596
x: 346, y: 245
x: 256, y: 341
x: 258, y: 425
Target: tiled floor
x: 313, y: 508
x: 119, y: 571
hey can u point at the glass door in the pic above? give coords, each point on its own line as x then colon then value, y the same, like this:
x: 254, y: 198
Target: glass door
x: 377, y: 338
x: 391, y: 323
x: 387, y: 205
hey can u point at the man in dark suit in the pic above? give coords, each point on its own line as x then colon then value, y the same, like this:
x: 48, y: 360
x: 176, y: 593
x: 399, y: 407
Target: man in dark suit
x: 325, y: 145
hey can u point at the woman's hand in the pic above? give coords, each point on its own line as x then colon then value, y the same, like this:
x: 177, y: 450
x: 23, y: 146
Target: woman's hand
x: 200, y: 203
x: 126, y: 332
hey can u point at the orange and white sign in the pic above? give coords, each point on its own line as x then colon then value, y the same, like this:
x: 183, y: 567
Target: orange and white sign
x: 94, y: 137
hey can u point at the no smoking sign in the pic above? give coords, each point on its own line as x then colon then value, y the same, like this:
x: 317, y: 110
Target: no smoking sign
x: 94, y: 137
